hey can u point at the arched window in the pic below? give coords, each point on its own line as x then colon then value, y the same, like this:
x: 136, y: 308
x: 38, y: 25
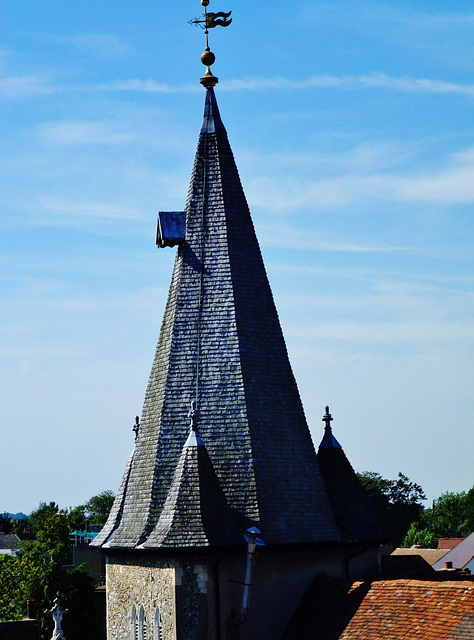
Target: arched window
x: 142, y: 625
x: 157, y: 628
x: 133, y: 623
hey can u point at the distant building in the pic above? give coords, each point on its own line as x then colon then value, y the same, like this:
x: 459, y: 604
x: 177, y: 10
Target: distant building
x: 84, y: 553
x: 448, y: 543
x: 432, y: 556
x: 9, y: 543
x: 461, y: 556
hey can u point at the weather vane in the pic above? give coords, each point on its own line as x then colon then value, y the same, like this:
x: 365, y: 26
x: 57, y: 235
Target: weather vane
x: 206, y: 21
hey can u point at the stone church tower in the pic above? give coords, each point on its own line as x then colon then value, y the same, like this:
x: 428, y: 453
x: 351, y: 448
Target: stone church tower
x: 224, y: 516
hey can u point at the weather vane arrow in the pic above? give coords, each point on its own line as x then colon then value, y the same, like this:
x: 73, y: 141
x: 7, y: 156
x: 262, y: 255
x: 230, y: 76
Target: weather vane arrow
x: 209, y: 21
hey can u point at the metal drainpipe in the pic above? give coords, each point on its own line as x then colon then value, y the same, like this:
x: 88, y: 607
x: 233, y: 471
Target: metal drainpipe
x: 217, y: 603
x: 251, y: 536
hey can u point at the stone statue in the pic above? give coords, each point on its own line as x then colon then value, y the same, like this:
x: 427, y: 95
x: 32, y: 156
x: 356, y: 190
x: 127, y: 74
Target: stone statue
x: 57, y: 612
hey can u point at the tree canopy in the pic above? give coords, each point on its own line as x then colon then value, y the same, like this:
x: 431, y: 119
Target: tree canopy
x: 41, y: 570
x: 451, y: 516
x: 399, y: 502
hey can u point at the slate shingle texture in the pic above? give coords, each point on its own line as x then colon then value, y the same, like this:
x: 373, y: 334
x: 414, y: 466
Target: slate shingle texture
x: 221, y: 344
x: 195, y: 513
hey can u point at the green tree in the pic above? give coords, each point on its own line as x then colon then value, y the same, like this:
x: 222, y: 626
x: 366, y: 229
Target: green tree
x: 420, y: 536
x: 399, y: 502
x: 76, y: 518
x: 23, y: 529
x: 469, y: 505
x: 39, y: 574
x: 6, y: 523
x: 450, y: 516
x: 98, y: 507
x: 12, y: 603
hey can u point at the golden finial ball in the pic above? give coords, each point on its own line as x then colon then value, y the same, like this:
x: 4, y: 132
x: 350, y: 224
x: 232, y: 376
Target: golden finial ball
x: 207, y: 57
x: 205, y: 3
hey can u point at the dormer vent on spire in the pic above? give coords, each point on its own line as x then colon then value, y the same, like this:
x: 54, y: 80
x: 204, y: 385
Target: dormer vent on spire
x: 171, y: 228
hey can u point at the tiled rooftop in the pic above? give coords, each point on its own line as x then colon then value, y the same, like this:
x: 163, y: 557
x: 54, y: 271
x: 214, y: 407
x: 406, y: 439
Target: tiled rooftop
x: 9, y: 541
x: 385, y: 610
x: 448, y: 543
x: 430, y: 555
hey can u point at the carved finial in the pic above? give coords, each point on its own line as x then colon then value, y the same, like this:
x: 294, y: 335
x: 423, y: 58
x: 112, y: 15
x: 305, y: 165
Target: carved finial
x: 327, y: 419
x: 193, y: 415
x: 209, y: 21
x: 136, y: 427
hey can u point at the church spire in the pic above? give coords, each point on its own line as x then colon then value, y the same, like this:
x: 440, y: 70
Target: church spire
x: 221, y: 345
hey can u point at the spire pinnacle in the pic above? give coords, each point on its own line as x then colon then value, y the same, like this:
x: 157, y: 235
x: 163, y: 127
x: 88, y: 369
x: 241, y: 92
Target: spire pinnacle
x: 193, y: 416
x: 327, y: 419
x: 206, y: 21
x: 328, y: 439
x: 136, y: 427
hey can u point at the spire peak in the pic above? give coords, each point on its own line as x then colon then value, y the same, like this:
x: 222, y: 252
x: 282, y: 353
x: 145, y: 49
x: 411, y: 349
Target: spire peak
x: 328, y: 439
x: 212, y: 122
x: 327, y: 419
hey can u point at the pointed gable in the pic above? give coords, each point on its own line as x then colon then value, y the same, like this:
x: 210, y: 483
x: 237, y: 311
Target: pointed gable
x: 195, y: 513
x: 355, y: 516
x: 221, y: 343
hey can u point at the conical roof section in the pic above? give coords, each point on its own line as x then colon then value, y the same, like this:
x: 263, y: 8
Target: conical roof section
x: 221, y: 344
x: 355, y: 515
x: 195, y: 513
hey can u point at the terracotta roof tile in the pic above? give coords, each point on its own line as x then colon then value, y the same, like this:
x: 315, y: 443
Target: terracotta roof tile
x: 448, y: 543
x: 385, y: 610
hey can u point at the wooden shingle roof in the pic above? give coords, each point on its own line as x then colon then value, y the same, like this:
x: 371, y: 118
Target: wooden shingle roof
x: 221, y: 344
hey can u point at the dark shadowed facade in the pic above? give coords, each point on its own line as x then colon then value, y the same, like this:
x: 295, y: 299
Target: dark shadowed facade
x: 223, y: 455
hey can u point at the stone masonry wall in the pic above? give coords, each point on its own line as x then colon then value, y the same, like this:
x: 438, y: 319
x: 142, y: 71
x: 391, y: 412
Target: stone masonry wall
x: 143, y: 581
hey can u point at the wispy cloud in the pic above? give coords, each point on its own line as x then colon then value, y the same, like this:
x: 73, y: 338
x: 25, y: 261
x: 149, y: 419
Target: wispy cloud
x: 73, y: 210
x: 146, y: 86
x: 19, y: 86
x: 285, y: 236
x: 78, y: 132
x: 452, y: 183
x: 421, y: 331
x: 25, y: 86
x: 376, y: 80
x: 362, y: 158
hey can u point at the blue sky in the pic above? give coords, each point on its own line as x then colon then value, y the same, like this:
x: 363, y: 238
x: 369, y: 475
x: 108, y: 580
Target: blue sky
x: 352, y: 127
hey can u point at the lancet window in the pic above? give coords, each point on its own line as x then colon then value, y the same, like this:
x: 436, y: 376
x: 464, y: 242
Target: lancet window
x: 142, y: 624
x: 133, y: 623
x: 157, y: 627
